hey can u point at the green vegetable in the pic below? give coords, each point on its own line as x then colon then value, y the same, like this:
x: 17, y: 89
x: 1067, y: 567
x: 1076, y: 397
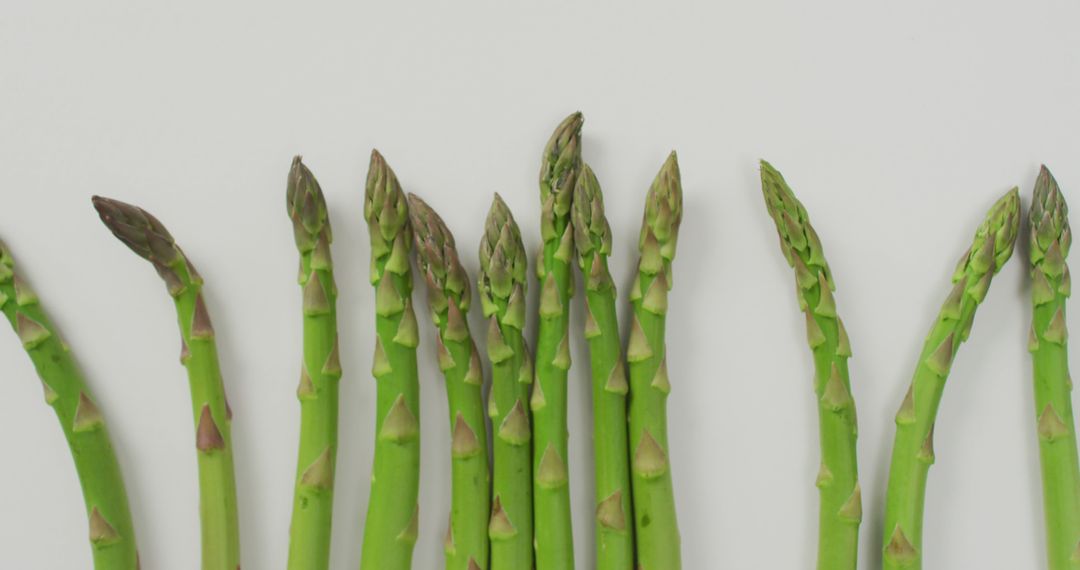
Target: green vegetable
x: 313, y: 502
x: 391, y: 525
x: 449, y: 297
x: 503, y: 272
x: 838, y: 479
x: 551, y: 486
x: 1048, y: 223
x: 614, y: 529
x: 655, y: 524
x: 112, y: 535
x: 913, y: 449
x: 145, y: 235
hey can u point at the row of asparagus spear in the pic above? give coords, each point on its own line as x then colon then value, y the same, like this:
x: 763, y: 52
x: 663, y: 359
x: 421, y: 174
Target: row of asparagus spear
x: 510, y: 505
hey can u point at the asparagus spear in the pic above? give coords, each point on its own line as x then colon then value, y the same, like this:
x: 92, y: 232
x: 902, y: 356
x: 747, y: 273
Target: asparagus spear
x: 655, y: 525
x: 838, y: 480
x: 551, y: 487
x: 148, y: 238
x: 614, y: 537
x: 112, y: 535
x: 392, y: 517
x: 913, y: 448
x: 1049, y: 245
x: 449, y: 298
x: 313, y: 502
x: 502, y: 298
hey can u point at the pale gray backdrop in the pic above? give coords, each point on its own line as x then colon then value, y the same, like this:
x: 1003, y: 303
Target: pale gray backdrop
x: 897, y: 123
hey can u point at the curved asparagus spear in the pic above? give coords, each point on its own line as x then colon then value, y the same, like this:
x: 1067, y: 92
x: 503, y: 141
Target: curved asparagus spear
x: 391, y: 524
x: 655, y: 524
x: 502, y: 296
x: 840, y: 509
x: 145, y: 235
x: 614, y: 529
x: 551, y: 486
x: 313, y: 502
x: 112, y: 535
x: 449, y: 297
x: 913, y: 449
x: 1051, y: 285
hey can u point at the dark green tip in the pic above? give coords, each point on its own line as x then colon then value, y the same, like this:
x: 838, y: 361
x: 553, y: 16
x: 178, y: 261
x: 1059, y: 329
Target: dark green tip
x: 306, y: 206
x: 663, y: 211
x: 592, y: 232
x: 139, y: 230
x: 559, y: 167
x: 436, y: 251
x: 385, y: 206
x: 503, y: 262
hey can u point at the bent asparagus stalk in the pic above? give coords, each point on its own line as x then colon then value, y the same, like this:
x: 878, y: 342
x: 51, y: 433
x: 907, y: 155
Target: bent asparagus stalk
x: 392, y: 518
x: 503, y: 272
x: 313, y: 502
x: 558, y: 173
x: 1048, y: 342
x: 655, y: 525
x: 148, y: 238
x: 840, y: 510
x: 913, y: 448
x: 112, y: 534
x: 449, y: 297
x: 614, y: 529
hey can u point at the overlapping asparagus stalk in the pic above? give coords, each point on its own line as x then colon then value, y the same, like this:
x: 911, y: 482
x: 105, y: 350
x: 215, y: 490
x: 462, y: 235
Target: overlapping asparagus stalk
x: 503, y: 273
x: 1048, y: 222
x: 449, y: 297
x: 112, y: 535
x: 392, y: 518
x: 148, y: 238
x: 913, y: 448
x: 614, y: 525
x: 840, y: 509
x: 551, y: 484
x: 313, y: 502
x: 655, y: 525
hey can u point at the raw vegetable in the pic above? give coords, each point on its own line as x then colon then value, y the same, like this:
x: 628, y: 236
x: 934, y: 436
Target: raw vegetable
x: 148, y: 238
x: 614, y: 519
x: 913, y: 448
x: 449, y: 297
x: 320, y: 370
x: 1050, y: 238
x: 655, y: 525
x: 392, y: 518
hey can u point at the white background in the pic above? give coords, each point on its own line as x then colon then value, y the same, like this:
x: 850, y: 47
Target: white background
x: 898, y: 125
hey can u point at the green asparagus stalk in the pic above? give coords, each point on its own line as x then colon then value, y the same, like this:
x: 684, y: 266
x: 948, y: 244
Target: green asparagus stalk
x: 313, y: 502
x: 913, y: 448
x: 551, y: 486
x: 392, y: 517
x: 840, y: 509
x: 1047, y: 341
x: 449, y: 297
x: 148, y: 238
x: 655, y: 525
x: 614, y: 536
x: 112, y: 534
x: 502, y: 282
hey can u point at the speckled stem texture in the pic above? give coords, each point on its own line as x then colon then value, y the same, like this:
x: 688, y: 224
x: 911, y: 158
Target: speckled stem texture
x: 112, y: 535
x: 503, y: 274
x: 913, y: 448
x: 551, y: 484
x: 320, y: 370
x: 392, y: 518
x: 840, y: 509
x: 614, y: 522
x: 1050, y: 238
x: 655, y: 525
x: 449, y: 297
x: 148, y: 238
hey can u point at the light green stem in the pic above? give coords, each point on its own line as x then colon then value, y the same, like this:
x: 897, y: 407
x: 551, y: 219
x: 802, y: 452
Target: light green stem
x: 112, y: 534
x: 913, y: 448
x: 840, y: 510
x: 1048, y: 343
